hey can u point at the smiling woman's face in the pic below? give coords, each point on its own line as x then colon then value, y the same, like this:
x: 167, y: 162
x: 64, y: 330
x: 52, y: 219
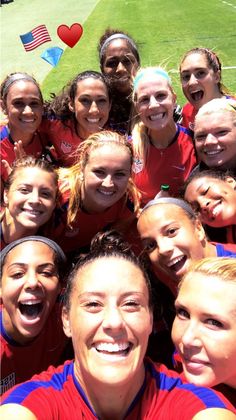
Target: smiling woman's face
x: 29, y: 288
x: 214, y: 199
x: 155, y: 101
x: 204, y: 330
x: 109, y: 320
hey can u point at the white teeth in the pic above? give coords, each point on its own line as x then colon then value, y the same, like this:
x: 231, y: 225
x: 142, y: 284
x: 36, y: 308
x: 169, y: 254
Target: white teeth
x: 93, y: 120
x: 174, y: 261
x: 112, y: 347
x: 34, y: 212
x: 212, y: 152
x: 30, y: 302
x: 156, y: 116
x: 106, y: 192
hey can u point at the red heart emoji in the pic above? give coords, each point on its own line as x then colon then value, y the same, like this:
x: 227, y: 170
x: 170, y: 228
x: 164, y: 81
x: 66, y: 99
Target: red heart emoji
x: 70, y: 36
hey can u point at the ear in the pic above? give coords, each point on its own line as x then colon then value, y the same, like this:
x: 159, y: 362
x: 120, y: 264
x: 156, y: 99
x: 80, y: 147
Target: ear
x: 174, y: 98
x: 230, y: 180
x: 71, y: 106
x: 217, y: 76
x: 200, y: 230
x: 66, y: 322
x: 3, y: 107
x: 5, y: 197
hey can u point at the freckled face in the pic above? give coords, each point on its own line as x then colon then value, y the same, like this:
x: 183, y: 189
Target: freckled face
x: 204, y: 330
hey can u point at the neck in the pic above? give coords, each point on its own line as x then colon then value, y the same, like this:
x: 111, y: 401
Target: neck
x: 17, y: 135
x: 210, y: 250
x: 110, y: 401
x: 162, y: 138
x: 12, y: 230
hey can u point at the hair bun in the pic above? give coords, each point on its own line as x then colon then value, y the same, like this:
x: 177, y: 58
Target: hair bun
x: 109, y: 241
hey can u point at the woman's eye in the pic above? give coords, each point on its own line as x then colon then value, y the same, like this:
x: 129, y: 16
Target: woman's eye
x: 111, y: 63
x: 214, y: 323
x: 23, y: 190
x: 182, y: 313
x: 92, y: 306
x: 222, y: 133
x: 99, y: 172
x: 172, y: 231
x: 17, y: 274
x: 131, y: 304
x: 160, y: 97
x: 185, y: 77
x: 120, y: 174
x: 46, y: 194
x: 205, y: 191
x: 143, y: 101
x: 149, y: 246
x: 102, y: 101
x: 200, y: 137
x: 84, y: 101
x: 200, y: 74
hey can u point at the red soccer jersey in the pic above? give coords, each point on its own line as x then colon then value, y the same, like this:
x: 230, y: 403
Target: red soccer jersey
x: 20, y: 363
x: 56, y: 394
x: 170, y: 166
x: 87, y: 225
x: 64, y: 139
x: 34, y: 148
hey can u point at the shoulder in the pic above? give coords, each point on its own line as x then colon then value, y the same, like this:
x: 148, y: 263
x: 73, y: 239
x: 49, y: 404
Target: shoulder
x: 179, y: 398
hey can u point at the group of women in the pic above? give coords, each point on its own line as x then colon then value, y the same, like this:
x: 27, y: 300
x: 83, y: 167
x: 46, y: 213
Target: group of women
x: 93, y: 159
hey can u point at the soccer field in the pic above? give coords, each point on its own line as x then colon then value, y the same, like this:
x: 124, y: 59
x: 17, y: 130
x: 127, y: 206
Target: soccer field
x: 163, y: 30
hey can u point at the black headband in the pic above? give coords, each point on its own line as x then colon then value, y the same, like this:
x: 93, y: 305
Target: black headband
x: 53, y: 245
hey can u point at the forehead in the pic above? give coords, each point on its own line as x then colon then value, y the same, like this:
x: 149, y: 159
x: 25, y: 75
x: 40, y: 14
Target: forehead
x: 220, y: 118
x: 160, y: 215
x: 118, y: 151
x: 152, y: 82
x: 118, y: 47
x: 90, y: 83
x: 194, y: 60
x: 220, y: 292
x: 30, y: 252
x: 197, y: 183
x: 110, y: 275
x: 23, y: 87
x: 32, y: 175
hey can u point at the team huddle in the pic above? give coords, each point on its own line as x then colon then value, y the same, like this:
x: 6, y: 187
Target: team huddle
x: 118, y: 239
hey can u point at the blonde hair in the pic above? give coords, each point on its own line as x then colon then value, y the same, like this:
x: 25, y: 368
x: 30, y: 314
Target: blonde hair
x: 218, y: 105
x: 140, y: 137
x: 72, y: 178
x: 224, y: 268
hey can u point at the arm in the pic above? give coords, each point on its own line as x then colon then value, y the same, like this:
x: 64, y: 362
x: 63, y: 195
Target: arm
x: 16, y: 411
x: 215, y: 414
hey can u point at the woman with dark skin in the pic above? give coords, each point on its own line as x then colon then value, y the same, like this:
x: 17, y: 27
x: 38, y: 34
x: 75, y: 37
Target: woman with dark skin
x: 119, y: 61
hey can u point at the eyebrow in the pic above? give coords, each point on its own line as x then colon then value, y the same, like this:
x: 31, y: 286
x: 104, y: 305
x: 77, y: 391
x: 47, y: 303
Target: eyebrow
x: 101, y: 294
x: 52, y: 264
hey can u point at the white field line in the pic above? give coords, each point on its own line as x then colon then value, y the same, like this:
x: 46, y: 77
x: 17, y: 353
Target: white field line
x: 228, y: 4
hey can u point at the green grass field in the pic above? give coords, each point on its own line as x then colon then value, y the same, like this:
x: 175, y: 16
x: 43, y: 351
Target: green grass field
x: 163, y: 30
